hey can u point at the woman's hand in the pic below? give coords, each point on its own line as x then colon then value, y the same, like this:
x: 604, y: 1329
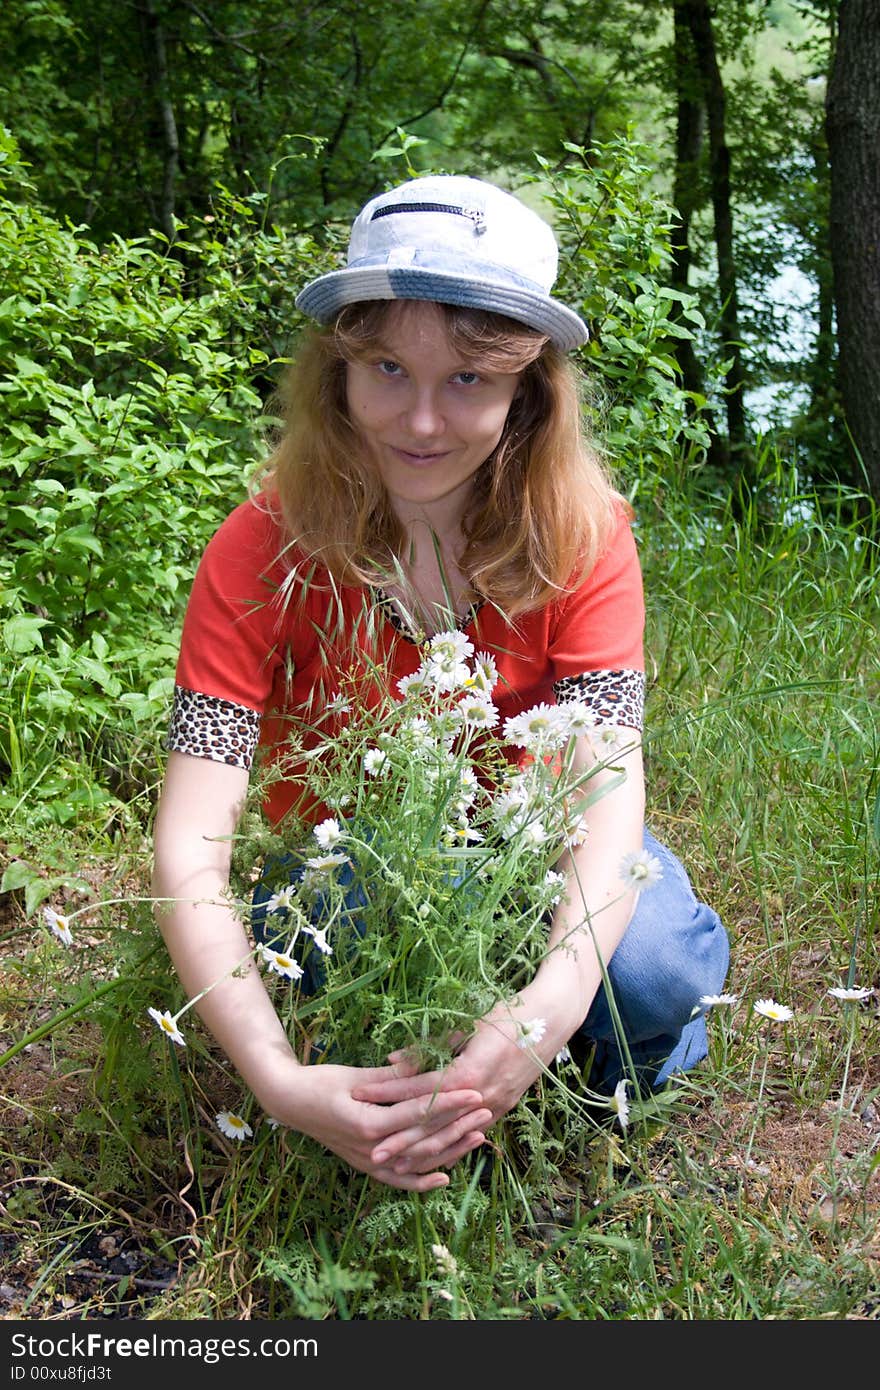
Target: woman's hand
x: 497, y: 1062
x: 443, y: 1126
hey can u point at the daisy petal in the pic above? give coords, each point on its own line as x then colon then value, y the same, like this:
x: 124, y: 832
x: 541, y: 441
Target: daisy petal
x: 768, y: 1008
x: 168, y: 1026
x: 232, y: 1125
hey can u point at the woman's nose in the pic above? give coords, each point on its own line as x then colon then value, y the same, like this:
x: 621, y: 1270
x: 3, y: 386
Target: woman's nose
x: 424, y: 416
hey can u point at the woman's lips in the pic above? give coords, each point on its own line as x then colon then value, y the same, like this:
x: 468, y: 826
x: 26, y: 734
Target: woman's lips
x: 420, y: 457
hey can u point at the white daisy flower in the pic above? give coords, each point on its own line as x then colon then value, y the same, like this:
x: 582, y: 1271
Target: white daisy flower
x: 232, y: 1125
x: 513, y: 800
x: 282, y: 962
x: 319, y: 936
x: 339, y: 706
x: 539, y: 729
x: 641, y: 869
x: 272, y: 1122
x: 448, y: 676
x: 768, y: 1008
x: 312, y: 883
x: 554, y: 884
x: 469, y: 786
x: 168, y: 1025
x: 374, y: 761
x: 577, y: 717
x: 328, y: 833
x: 461, y: 832
x: 413, y: 684
x: 619, y: 1104
x: 563, y: 1055
x: 59, y: 924
x: 531, y: 1033
x: 611, y: 738
x: 450, y: 645
x: 850, y: 996
x: 282, y: 901
x: 446, y: 664
x: 512, y: 808
x: 326, y: 863
x: 477, y: 712
x: 485, y: 676
x: 535, y: 834
x: 418, y: 732
x: 710, y: 1001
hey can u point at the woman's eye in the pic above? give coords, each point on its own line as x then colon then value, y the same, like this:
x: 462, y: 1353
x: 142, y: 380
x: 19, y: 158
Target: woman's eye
x: 389, y: 368
x: 467, y: 378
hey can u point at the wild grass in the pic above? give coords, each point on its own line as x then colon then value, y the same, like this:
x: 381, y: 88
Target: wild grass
x: 748, y: 1190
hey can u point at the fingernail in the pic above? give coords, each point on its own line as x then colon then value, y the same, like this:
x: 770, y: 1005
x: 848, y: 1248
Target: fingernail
x: 380, y: 1156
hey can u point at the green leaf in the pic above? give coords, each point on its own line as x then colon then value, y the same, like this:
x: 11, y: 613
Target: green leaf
x: 16, y: 875
x: 161, y: 689
x: 79, y: 538
x: 36, y: 892
x: 26, y: 367
x: 22, y: 633
x: 98, y: 673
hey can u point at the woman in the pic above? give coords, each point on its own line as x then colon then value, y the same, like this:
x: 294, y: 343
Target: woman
x: 431, y: 475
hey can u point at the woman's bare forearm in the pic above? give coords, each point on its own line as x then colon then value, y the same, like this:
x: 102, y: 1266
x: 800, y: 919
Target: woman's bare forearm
x: 594, y: 913
x: 204, y: 933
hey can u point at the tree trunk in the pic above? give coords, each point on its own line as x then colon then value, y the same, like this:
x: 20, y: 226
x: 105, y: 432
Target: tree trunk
x: 689, y: 130
x: 853, y: 128
x: 157, y: 72
x: 699, y: 19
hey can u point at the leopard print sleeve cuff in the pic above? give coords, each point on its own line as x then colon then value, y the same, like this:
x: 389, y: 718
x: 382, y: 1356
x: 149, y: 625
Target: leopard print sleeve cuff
x: 615, y: 697
x: 207, y: 727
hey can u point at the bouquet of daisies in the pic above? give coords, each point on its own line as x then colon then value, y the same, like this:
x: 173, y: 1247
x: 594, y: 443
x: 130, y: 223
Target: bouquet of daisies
x: 421, y: 899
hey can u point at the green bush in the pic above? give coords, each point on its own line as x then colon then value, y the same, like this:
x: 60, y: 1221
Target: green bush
x: 614, y: 236
x: 129, y: 378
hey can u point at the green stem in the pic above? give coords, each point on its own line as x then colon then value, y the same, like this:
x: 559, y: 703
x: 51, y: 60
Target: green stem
x: 757, y: 1108
x: 849, y: 1049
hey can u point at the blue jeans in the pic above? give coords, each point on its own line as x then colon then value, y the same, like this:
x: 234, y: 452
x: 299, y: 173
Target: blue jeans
x: 673, y: 951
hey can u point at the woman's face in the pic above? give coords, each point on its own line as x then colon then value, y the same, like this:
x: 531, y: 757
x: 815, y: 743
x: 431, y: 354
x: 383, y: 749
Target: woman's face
x: 429, y: 418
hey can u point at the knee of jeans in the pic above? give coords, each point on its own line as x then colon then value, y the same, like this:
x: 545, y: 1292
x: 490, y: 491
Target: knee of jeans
x: 701, y: 972
x: 665, y: 997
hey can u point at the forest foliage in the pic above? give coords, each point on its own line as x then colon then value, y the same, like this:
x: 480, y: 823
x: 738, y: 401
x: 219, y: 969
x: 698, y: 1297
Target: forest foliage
x: 137, y: 117
x: 170, y: 174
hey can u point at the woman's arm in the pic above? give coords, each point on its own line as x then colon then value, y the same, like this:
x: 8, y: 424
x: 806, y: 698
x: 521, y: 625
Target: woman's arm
x: 595, y: 911
x: 587, y: 925
x: 198, y: 812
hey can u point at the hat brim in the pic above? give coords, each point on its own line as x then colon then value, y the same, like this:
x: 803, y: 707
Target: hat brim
x: 323, y: 298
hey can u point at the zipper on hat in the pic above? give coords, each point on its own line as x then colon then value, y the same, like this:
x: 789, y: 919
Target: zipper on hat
x: 477, y: 218
x: 474, y: 215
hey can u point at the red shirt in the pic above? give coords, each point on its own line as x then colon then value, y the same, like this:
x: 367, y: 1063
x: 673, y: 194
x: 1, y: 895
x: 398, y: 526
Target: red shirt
x: 269, y: 640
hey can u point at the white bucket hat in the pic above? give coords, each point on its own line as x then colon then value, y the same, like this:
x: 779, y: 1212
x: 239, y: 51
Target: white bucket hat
x: 453, y: 240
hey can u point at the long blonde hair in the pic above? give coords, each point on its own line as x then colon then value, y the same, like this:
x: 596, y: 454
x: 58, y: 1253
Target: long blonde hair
x: 542, y: 505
